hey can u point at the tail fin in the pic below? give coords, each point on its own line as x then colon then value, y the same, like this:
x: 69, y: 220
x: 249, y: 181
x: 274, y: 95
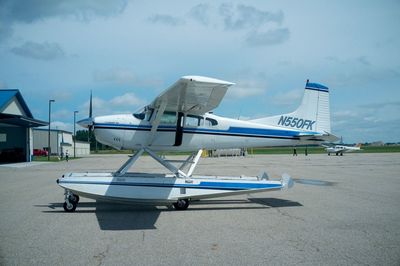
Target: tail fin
x: 312, y: 115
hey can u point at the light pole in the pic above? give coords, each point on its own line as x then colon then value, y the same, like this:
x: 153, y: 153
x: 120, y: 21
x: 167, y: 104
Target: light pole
x: 48, y: 143
x: 75, y: 112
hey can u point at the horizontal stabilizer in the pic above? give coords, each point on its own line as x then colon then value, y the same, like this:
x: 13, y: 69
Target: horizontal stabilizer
x: 327, y: 137
x: 287, y: 181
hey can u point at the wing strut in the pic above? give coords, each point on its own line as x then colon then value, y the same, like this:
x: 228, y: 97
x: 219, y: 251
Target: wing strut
x: 166, y: 164
x: 125, y: 167
x: 194, y: 163
x: 178, y: 172
x: 156, y: 122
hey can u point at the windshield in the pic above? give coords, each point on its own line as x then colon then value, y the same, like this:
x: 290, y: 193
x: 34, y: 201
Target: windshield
x: 143, y: 113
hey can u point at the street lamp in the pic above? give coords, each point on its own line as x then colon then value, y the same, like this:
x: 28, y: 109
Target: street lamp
x: 75, y: 112
x: 48, y: 143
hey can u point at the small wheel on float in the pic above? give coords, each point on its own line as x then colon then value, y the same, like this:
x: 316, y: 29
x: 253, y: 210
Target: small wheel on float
x: 70, y: 206
x: 181, y: 204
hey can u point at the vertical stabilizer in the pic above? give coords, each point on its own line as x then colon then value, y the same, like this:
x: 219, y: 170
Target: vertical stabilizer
x: 312, y: 115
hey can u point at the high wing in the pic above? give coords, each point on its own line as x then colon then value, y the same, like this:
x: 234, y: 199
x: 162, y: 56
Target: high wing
x: 192, y: 94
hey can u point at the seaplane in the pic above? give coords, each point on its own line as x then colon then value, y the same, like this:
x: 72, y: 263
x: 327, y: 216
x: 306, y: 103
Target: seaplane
x: 180, y: 119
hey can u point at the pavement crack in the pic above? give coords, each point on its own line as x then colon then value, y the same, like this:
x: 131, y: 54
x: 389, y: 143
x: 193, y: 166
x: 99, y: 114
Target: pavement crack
x: 283, y: 213
x: 100, y: 257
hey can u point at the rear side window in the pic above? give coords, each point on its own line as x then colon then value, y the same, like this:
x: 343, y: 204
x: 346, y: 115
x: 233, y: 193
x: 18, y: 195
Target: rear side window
x: 193, y: 120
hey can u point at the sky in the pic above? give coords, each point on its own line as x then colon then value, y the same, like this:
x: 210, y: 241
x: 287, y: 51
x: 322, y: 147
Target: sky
x: 127, y: 52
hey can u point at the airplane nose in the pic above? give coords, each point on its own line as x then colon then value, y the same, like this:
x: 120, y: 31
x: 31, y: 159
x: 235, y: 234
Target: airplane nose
x: 87, y: 122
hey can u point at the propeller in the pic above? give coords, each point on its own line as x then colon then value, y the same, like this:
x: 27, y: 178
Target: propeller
x: 88, y: 122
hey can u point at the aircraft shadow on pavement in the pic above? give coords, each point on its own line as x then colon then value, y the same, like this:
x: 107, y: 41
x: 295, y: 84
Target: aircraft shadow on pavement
x: 275, y: 203
x: 117, y: 216
x: 313, y: 182
x: 114, y: 216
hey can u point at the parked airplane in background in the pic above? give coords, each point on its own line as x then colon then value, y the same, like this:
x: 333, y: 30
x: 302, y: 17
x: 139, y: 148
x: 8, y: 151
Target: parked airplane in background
x: 179, y: 119
x: 340, y: 149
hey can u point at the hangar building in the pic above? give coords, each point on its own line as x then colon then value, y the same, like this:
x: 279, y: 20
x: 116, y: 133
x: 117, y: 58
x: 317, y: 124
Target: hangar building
x: 61, y: 141
x: 16, y: 123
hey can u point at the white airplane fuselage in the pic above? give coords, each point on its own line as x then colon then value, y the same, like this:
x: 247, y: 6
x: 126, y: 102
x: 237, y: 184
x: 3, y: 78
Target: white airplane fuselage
x: 196, y: 132
x: 342, y: 149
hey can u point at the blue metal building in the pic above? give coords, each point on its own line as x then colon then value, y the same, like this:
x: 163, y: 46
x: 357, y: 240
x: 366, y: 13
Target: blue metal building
x: 16, y: 123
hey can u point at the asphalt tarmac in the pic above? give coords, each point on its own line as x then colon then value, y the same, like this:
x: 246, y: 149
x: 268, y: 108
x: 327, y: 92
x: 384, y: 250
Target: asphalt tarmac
x: 342, y: 210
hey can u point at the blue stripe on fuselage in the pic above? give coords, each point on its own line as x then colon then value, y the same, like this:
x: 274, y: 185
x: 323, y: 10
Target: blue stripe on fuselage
x: 232, y: 131
x: 202, y: 185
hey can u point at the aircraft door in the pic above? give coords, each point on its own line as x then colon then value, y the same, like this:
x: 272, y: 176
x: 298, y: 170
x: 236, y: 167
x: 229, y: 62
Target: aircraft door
x: 167, y: 131
x: 209, y: 140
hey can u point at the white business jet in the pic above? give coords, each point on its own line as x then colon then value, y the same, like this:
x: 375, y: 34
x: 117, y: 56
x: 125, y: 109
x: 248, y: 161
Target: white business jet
x: 179, y: 119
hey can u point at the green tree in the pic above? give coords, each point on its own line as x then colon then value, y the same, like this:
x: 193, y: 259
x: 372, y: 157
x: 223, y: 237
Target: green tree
x: 82, y: 135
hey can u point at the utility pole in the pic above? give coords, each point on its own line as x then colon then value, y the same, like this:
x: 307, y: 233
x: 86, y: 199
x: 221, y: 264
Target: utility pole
x: 48, y: 143
x: 75, y: 112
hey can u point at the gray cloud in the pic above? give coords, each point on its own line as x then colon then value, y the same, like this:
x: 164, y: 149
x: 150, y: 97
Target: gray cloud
x: 271, y: 37
x: 241, y: 18
x: 40, y: 51
x: 370, y: 121
x: 247, y: 17
x: 5, y: 30
x: 380, y: 104
x: 363, y: 60
x: 368, y: 128
x: 33, y: 10
x: 14, y: 11
x: 166, y: 20
x: 200, y: 13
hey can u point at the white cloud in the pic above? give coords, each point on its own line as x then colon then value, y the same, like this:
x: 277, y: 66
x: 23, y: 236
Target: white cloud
x: 62, y: 114
x: 62, y: 126
x: 246, y: 88
x: 288, y: 98
x: 126, y: 103
x: 166, y: 20
x: 247, y: 17
x: 128, y: 99
x: 3, y: 84
x: 116, y: 76
x: 270, y: 37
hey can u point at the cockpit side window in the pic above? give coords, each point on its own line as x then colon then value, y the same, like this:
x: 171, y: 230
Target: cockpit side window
x: 168, y: 118
x: 144, y: 114
x: 211, y: 122
x: 140, y: 116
